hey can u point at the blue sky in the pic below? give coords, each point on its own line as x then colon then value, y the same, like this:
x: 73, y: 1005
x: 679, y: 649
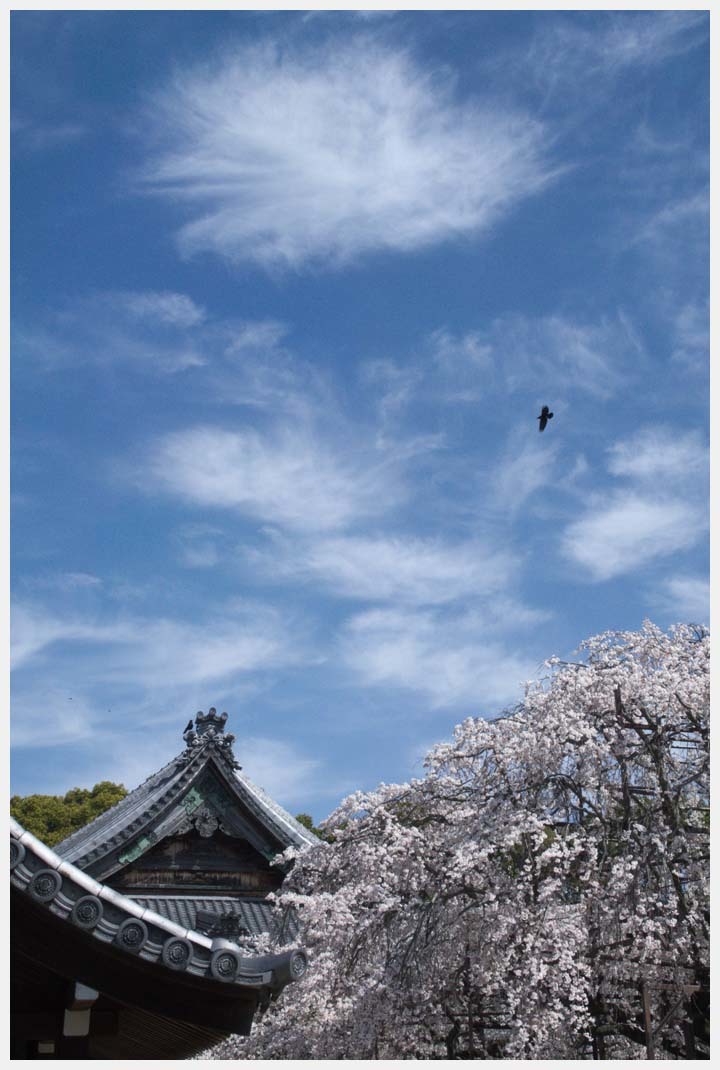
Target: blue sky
x: 288, y: 293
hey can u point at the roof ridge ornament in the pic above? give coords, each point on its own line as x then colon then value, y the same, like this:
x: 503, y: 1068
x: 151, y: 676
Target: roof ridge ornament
x: 209, y: 731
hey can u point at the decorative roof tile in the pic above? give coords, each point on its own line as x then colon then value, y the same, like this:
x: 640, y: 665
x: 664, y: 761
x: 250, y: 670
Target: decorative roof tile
x: 207, y: 744
x: 255, y: 915
x: 136, y: 928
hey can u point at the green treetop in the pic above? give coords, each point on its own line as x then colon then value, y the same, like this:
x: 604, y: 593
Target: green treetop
x: 53, y: 817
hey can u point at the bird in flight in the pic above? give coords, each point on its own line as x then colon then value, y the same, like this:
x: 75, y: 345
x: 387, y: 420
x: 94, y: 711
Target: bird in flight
x: 544, y: 416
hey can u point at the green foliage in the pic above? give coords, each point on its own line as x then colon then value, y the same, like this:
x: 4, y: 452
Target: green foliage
x: 53, y: 817
x: 307, y: 822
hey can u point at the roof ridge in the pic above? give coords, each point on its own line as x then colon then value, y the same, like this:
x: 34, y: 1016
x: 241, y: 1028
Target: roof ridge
x: 207, y: 743
x: 276, y: 809
x: 104, y: 817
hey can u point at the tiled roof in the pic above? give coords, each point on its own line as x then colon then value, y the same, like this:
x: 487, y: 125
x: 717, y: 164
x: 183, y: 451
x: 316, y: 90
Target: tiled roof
x: 134, y: 927
x: 135, y: 812
x: 119, y: 816
x: 285, y: 823
x: 255, y: 915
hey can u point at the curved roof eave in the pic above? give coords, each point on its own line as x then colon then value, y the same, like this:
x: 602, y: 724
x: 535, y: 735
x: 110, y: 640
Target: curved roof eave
x: 76, y: 899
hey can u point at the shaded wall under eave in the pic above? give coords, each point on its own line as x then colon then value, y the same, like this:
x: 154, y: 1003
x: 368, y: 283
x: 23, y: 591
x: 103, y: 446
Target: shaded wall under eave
x: 94, y: 975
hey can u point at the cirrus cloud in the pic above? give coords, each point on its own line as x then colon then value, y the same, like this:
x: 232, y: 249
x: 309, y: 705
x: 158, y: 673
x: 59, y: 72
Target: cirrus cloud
x: 628, y: 531
x: 283, y: 157
x: 160, y: 332
x: 660, y: 453
x: 386, y: 568
x: 281, y: 476
x: 684, y: 598
x: 660, y: 510
x: 453, y: 660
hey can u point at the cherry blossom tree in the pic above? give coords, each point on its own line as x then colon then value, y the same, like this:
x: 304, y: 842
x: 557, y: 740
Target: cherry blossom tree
x: 542, y: 892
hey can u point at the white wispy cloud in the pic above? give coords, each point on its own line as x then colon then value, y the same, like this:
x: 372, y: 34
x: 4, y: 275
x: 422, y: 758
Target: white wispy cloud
x: 187, y: 654
x: 385, y: 568
x: 49, y: 717
x: 397, y: 385
x: 288, y: 476
x: 661, y: 509
x: 126, y: 673
x: 322, y: 154
x: 32, y: 135
x: 257, y: 335
x: 282, y: 770
x: 244, y: 362
x: 177, y: 310
x: 649, y: 38
x: 463, y: 362
x: 684, y: 598
x: 554, y: 351
x: 523, y: 468
x: 33, y: 630
x: 622, y: 532
x: 156, y: 652
x: 198, y: 545
x: 123, y: 756
x: 692, y: 336
x: 585, y: 71
x: 672, y: 226
x: 514, y: 353
x: 586, y: 52
x: 158, y: 332
x: 254, y: 367
x: 450, y: 660
x: 660, y: 456
x: 65, y: 581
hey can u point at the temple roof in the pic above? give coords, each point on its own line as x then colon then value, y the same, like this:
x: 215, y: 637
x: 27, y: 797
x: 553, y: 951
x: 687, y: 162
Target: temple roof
x: 204, y: 778
x: 255, y: 915
x: 65, y: 923
x: 67, y: 892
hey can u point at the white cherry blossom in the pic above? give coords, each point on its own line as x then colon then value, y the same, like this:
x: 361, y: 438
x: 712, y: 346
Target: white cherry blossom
x: 517, y: 900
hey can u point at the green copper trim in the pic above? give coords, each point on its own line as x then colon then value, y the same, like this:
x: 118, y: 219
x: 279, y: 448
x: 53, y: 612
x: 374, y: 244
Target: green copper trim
x: 138, y: 848
x: 192, y: 800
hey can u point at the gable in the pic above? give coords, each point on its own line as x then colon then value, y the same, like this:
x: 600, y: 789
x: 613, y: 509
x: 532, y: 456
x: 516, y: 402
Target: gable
x: 202, y: 789
x: 205, y: 829
x: 215, y: 864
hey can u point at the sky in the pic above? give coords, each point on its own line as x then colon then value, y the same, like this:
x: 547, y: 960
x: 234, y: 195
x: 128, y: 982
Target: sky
x: 288, y: 293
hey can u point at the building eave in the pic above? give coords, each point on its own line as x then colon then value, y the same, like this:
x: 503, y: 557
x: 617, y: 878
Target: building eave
x: 80, y: 909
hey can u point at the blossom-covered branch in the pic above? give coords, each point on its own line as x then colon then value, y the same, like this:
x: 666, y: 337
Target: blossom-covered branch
x: 542, y: 892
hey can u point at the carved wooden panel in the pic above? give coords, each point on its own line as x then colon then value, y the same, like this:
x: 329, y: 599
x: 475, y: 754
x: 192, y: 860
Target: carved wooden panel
x: 217, y: 863
x: 209, y: 882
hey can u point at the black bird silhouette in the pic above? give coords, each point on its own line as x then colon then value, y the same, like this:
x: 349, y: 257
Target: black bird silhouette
x: 189, y: 727
x: 544, y: 416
